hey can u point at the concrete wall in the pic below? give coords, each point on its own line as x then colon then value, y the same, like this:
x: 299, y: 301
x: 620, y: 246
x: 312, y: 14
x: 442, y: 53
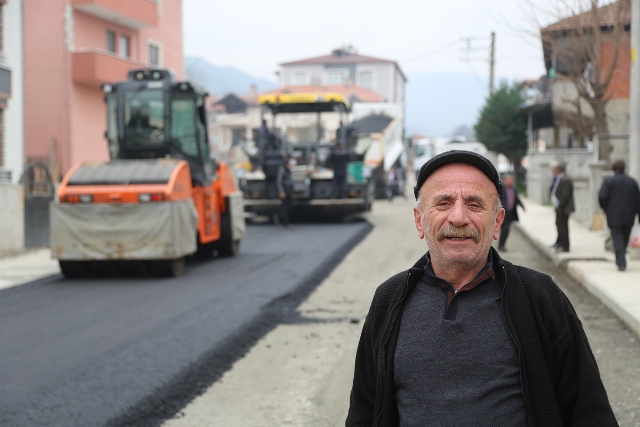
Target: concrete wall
x: 11, y: 217
x: 46, y: 78
x: 14, y: 114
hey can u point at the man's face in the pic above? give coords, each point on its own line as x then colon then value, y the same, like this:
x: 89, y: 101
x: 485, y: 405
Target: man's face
x: 457, y: 215
x: 508, y: 181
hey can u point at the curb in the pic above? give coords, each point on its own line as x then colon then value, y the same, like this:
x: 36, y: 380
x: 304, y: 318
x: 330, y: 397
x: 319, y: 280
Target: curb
x: 583, y: 280
x: 592, y: 287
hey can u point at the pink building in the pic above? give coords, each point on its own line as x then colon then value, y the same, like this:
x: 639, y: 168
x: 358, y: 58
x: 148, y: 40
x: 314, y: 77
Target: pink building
x: 71, y: 47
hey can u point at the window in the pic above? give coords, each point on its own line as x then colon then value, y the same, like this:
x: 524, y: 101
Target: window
x: 183, y: 125
x: 365, y: 79
x: 335, y: 77
x: 111, y: 41
x: 144, y: 117
x: 124, y: 47
x: 300, y: 78
x: 154, y: 53
x: 112, y: 124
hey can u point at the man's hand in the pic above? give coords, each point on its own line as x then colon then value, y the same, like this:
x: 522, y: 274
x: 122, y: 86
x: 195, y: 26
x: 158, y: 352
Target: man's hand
x: 282, y: 195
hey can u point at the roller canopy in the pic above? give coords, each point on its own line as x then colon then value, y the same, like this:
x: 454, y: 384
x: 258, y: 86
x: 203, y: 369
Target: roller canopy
x: 305, y: 102
x: 124, y: 172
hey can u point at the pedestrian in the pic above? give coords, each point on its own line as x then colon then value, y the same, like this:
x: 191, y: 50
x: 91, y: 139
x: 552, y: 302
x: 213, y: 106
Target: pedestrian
x: 465, y: 338
x: 285, y: 190
x: 619, y: 197
x: 339, y: 162
x: 552, y: 168
x: 562, y: 199
x: 392, y: 184
x: 272, y: 163
x: 263, y: 135
x: 511, y: 202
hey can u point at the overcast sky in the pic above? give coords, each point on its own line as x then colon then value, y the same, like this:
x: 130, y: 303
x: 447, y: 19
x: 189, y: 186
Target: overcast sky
x: 423, y: 36
x: 256, y: 35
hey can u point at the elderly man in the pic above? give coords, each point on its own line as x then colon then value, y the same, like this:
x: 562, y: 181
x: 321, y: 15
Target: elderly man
x: 619, y: 197
x: 562, y: 199
x: 464, y: 338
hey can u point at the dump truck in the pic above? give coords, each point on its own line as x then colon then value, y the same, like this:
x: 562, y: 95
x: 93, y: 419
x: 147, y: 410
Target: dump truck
x: 160, y: 198
x: 296, y: 121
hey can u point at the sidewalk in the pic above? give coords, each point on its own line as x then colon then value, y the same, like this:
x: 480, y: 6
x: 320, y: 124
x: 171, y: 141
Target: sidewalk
x: 26, y: 267
x: 587, y: 262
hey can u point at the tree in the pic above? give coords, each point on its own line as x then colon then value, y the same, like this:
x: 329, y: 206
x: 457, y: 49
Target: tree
x: 583, y: 47
x: 464, y: 130
x: 500, y: 126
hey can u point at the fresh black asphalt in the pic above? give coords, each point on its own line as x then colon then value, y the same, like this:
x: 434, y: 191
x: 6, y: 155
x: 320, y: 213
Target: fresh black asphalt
x: 134, y: 351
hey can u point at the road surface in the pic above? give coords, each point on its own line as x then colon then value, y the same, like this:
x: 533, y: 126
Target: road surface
x: 133, y: 351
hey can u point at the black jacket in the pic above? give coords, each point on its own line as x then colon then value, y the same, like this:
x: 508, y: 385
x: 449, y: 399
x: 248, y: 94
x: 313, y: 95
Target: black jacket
x: 514, y: 211
x: 564, y: 193
x: 619, y: 196
x: 285, y: 182
x: 560, y: 379
x: 339, y: 162
x: 273, y: 161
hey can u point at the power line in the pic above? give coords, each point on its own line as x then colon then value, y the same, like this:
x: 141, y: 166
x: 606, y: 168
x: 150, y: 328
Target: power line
x: 468, y: 48
x: 432, y: 52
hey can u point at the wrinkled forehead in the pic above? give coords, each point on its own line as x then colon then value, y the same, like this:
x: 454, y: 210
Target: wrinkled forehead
x: 459, y: 177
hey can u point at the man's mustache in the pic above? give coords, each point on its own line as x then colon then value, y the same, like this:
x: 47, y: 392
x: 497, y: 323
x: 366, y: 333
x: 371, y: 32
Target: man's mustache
x: 459, y: 232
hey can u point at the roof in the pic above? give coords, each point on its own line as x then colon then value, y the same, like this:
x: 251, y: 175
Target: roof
x: 606, y: 17
x: 355, y: 93
x: 373, y: 123
x: 345, y: 58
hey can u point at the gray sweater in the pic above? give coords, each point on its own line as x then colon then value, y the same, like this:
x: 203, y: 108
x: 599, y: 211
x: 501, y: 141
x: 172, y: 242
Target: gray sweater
x: 455, y: 363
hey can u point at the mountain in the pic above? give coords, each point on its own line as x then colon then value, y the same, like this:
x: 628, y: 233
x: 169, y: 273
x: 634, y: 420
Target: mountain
x: 438, y: 103
x: 222, y: 80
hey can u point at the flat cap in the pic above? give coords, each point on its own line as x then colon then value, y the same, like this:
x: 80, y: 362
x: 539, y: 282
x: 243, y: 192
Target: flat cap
x: 458, y: 156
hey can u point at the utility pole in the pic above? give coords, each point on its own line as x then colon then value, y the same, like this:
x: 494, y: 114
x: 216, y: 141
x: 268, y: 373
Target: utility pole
x: 466, y: 51
x: 634, y: 110
x: 492, y: 61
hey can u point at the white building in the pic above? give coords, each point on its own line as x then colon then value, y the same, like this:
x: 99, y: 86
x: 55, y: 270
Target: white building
x: 11, y: 90
x: 345, y: 66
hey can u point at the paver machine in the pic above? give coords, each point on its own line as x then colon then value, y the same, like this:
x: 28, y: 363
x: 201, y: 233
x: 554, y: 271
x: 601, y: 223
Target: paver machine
x: 303, y: 140
x: 160, y: 198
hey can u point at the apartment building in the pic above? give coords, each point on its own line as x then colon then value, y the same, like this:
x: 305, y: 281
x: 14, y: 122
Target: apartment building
x: 72, y: 47
x: 345, y: 66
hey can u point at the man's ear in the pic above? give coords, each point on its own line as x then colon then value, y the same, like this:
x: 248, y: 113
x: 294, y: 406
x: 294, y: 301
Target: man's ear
x: 499, y: 221
x: 417, y: 217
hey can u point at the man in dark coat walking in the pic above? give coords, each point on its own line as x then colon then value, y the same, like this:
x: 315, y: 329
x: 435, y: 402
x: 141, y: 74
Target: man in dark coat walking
x: 619, y: 197
x: 511, y: 202
x: 562, y: 199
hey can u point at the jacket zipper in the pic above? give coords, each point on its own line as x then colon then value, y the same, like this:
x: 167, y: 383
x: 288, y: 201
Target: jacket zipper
x: 385, y: 336
x: 507, y: 321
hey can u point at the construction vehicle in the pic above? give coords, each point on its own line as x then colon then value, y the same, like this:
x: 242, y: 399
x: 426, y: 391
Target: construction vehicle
x: 304, y: 143
x: 160, y: 198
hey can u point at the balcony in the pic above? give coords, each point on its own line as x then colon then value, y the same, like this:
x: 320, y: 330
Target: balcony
x: 94, y: 67
x: 135, y: 14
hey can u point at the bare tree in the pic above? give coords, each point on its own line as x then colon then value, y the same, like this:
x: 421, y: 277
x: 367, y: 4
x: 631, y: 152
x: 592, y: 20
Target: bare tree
x: 583, y: 47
